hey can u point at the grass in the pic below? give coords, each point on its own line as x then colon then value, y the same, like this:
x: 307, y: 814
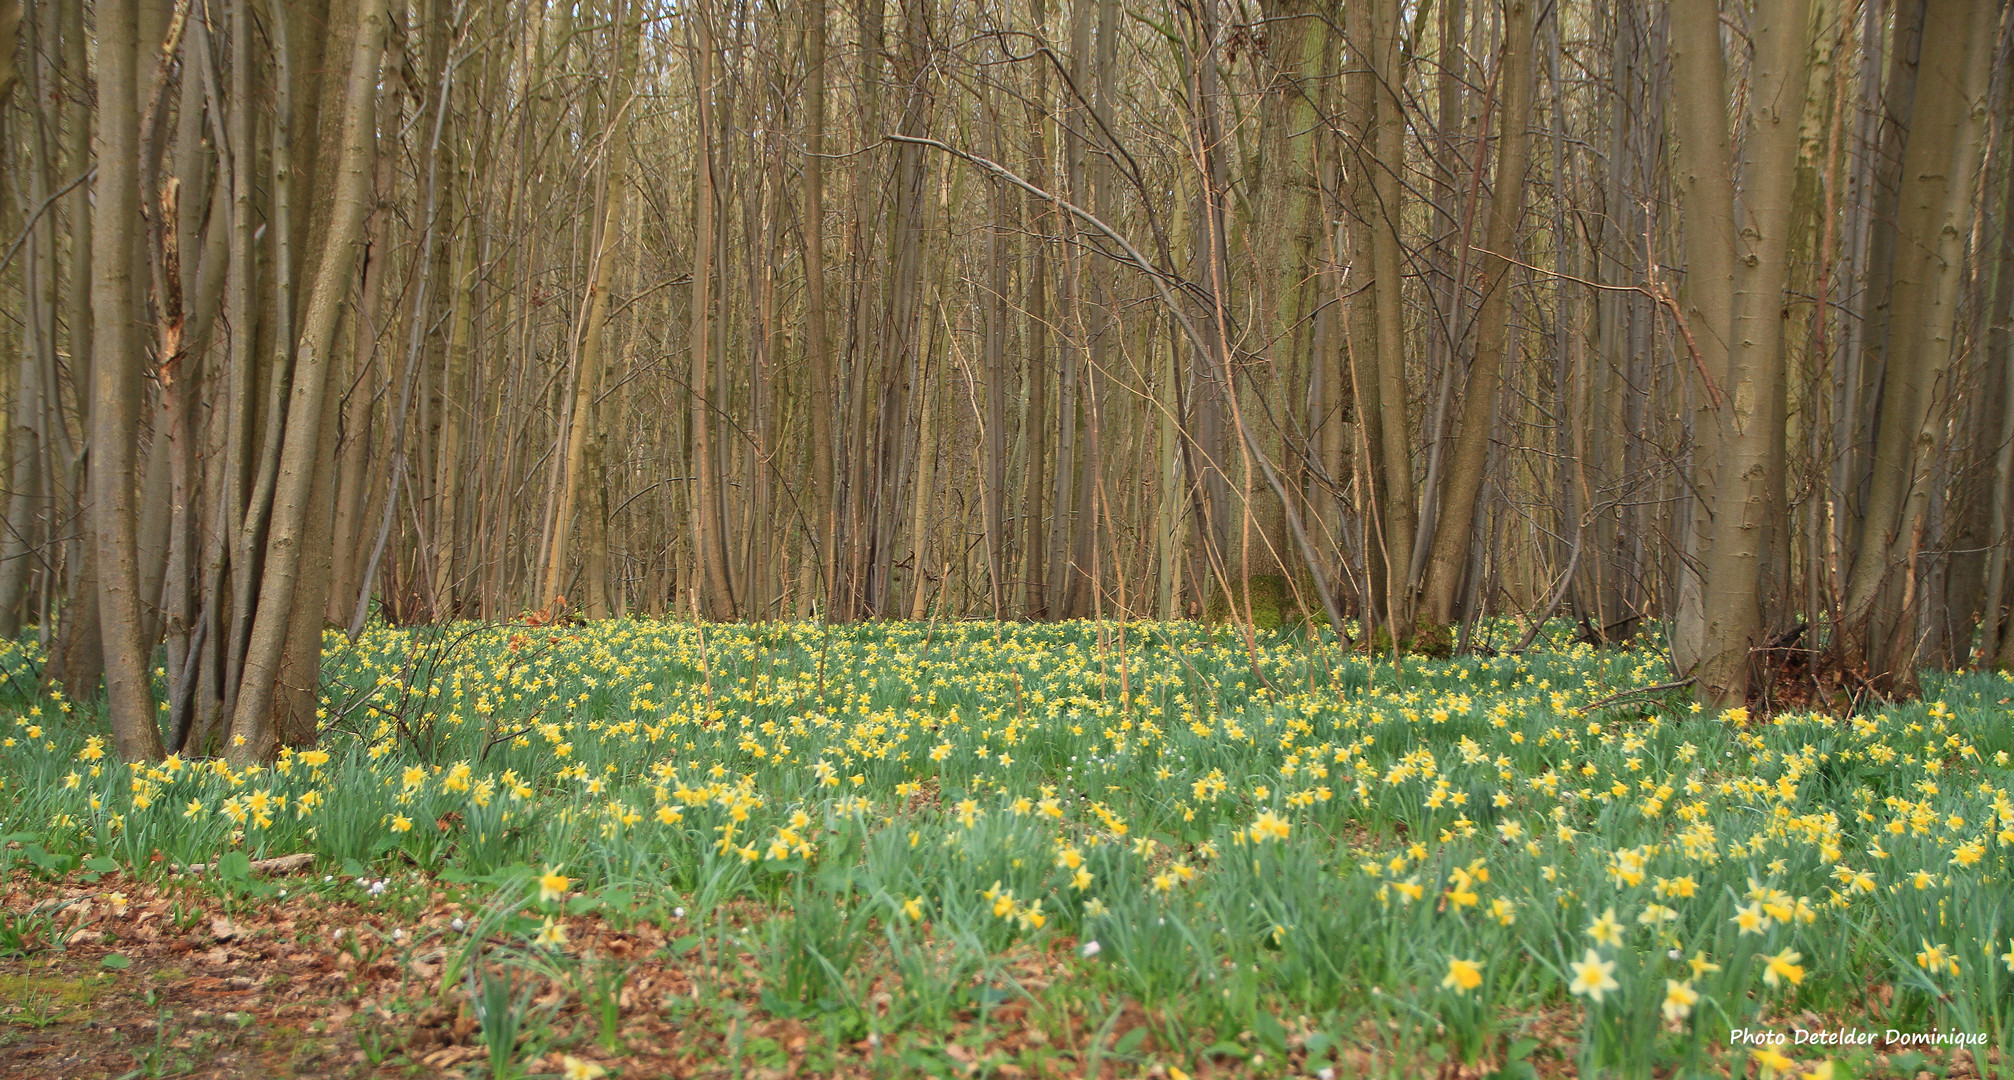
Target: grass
x: 1142, y: 840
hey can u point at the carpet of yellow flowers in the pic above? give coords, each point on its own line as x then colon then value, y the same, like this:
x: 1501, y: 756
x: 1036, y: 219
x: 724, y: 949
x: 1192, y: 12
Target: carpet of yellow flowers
x: 1089, y: 849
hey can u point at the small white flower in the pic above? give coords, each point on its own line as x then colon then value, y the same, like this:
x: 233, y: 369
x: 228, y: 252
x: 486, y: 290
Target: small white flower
x: 1675, y: 954
x: 1326, y: 1073
x: 1090, y: 949
x: 398, y: 934
x: 458, y: 925
x: 678, y: 913
x: 326, y: 878
x: 283, y: 892
x: 363, y: 883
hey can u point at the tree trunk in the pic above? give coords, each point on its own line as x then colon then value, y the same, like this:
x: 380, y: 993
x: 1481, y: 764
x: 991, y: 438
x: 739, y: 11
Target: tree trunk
x: 1705, y: 166
x: 1464, y: 477
x: 592, y: 359
x: 258, y: 725
x: 818, y: 339
x: 1877, y: 625
x: 1748, y: 470
x: 115, y: 384
x: 709, y: 535
x: 1397, y: 504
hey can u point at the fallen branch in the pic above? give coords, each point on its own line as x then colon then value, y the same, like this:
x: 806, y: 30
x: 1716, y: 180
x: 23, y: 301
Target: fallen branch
x: 278, y: 864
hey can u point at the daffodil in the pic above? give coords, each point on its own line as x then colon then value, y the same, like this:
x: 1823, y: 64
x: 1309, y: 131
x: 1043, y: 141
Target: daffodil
x: 1679, y: 998
x: 1605, y: 930
x: 551, y: 935
x: 1463, y: 975
x: 1937, y: 959
x: 1593, y: 977
x: 1783, y: 965
x: 1773, y: 1061
x: 1269, y: 826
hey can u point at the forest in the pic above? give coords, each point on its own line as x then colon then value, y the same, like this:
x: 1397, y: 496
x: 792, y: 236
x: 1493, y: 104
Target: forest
x: 1687, y: 324
x: 1021, y: 539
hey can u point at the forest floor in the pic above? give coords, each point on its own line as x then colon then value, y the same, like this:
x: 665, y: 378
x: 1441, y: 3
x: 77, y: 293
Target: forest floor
x: 183, y: 981
x: 1023, y: 852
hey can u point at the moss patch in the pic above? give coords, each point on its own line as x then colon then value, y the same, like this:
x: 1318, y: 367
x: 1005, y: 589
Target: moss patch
x: 1426, y: 639
x: 1273, y: 603
x: 61, y: 991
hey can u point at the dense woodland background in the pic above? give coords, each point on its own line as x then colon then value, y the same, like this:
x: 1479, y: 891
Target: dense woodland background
x: 1688, y: 322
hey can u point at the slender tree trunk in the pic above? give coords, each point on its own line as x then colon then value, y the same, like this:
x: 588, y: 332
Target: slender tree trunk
x: 1464, y: 477
x: 1996, y: 643
x: 709, y: 536
x: 993, y: 466
x: 592, y: 357
x: 818, y: 339
x: 115, y: 384
x: 1398, y: 505
x: 1035, y: 600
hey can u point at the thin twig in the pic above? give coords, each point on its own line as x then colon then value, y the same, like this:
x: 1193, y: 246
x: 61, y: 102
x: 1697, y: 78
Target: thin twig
x: 1601, y: 703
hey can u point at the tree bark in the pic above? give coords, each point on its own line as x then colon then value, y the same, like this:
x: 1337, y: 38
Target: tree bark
x: 115, y: 384
x: 709, y: 535
x: 1747, y: 423
x: 256, y: 731
x: 1464, y: 477
x: 818, y: 338
x: 1705, y: 165
x: 1397, y: 505
x: 1877, y: 624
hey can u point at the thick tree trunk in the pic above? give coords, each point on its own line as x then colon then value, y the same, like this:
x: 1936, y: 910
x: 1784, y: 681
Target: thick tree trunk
x: 1748, y: 470
x: 1877, y: 629
x: 295, y: 565
x: 1705, y: 167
